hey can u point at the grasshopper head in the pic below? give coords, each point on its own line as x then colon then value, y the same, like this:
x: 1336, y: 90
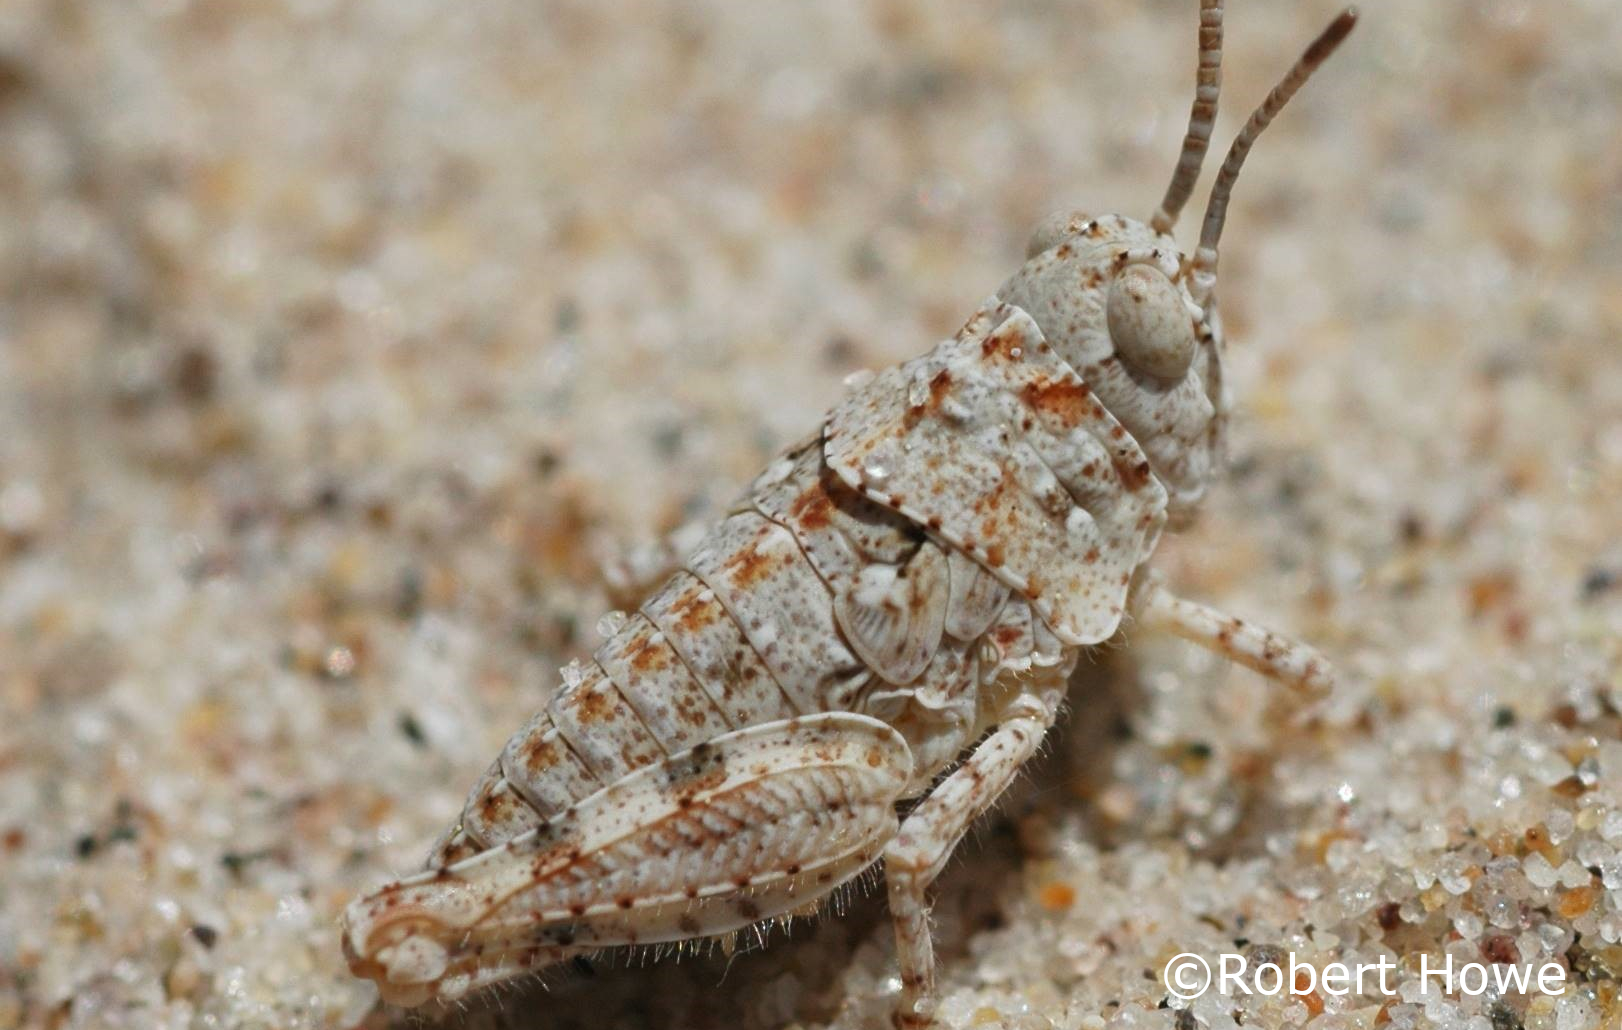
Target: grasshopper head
x: 1135, y: 316
x: 1115, y: 299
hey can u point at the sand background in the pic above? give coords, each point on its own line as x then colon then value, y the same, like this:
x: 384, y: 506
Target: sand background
x: 339, y: 343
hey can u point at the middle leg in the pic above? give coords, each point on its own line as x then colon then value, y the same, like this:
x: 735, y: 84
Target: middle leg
x: 915, y: 857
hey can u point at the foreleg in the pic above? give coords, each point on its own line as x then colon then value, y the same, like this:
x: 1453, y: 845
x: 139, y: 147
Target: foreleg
x: 1274, y: 655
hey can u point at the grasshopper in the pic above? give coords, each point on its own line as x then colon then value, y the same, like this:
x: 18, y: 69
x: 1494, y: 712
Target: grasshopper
x: 889, y: 614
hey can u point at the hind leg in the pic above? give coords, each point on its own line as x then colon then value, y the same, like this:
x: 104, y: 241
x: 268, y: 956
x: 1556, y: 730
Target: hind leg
x: 919, y: 851
x: 753, y: 824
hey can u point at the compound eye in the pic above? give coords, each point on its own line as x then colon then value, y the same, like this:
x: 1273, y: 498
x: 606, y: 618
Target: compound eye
x: 1149, y: 323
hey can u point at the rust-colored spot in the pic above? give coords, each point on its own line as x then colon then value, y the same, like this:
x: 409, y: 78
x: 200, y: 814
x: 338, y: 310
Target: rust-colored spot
x: 1091, y: 556
x: 875, y: 758
x: 995, y: 556
x: 1064, y: 399
x: 698, y: 713
x: 540, y: 754
x: 592, y: 705
x: 644, y: 656
x: 751, y: 567
x: 692, y: 615
x: 1002, y: 344
x: 1133, y: 477
x: 813, y: 509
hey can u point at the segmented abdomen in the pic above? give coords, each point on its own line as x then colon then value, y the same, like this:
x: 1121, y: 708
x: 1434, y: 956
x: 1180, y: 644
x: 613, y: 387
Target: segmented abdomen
x: 806, y: 598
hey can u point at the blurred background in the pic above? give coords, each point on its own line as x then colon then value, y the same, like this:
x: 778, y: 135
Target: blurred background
x: 342, y: 345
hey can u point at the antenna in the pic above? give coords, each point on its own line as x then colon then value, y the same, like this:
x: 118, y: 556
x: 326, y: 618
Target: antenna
x: 1201, y: 119
x: 1216, y: 209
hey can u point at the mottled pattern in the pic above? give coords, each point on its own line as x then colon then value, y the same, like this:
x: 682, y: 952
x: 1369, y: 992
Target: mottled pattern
x: 763, y: 579
x: 602, y: 728
x: 713, y: 647
x: 994, y: 443
x: 656, y: 683
x: 495, y: 812
x: 889, y: 586
x: 540, y: 763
